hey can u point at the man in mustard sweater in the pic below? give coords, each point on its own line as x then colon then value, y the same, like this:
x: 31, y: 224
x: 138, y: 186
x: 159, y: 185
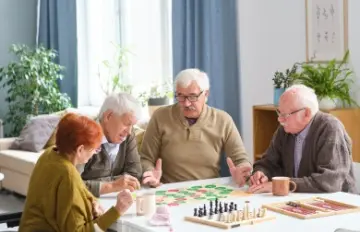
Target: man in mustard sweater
x: 184, y: 141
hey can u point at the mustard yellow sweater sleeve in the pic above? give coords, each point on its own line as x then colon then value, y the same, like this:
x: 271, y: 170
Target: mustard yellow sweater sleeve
x: 71, y: 215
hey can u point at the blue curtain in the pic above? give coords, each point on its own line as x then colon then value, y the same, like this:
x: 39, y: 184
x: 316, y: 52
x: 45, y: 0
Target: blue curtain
x: 57, y: 30
x: 205, y: 37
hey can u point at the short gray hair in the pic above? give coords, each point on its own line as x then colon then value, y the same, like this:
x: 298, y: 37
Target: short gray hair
x: 185, y: 77
x: 306, y: 97
x: 121, y: 103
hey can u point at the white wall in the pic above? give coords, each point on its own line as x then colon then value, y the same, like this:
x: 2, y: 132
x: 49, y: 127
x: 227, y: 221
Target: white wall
x: 272, y: 37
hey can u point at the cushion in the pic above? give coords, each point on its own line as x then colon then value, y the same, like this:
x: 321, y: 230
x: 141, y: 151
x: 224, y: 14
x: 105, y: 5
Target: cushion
x: 20, y: 161
x: 36, y: 133
x: 139, y: 135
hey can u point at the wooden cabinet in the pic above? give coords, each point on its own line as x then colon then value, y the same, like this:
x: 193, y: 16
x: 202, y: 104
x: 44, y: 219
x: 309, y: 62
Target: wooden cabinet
x: 265, y: 122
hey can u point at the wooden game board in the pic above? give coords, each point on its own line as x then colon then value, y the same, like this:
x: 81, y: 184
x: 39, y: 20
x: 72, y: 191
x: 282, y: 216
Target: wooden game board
x: 175, y: 197
x: 315, y: 207
x: 230, y: 217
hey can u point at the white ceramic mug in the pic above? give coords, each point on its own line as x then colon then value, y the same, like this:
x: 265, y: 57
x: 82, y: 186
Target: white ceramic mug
x: 146, y: 204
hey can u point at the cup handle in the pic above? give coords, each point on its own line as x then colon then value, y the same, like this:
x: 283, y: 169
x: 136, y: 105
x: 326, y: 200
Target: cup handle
x: 294, y: 186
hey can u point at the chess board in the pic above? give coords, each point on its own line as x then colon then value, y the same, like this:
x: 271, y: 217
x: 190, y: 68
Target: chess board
x: 315, y: 207
x: 209, y: 192
x: 227, y: 215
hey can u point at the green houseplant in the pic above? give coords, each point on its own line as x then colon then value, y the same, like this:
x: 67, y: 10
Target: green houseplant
x: 331, y: 82
x: 111, y: 72
x: 283, y: 80
x: 31, y: 84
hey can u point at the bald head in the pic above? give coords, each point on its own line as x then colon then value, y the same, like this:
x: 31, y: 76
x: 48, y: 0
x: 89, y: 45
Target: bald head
x: 297, y: 106
x: 300, y: 96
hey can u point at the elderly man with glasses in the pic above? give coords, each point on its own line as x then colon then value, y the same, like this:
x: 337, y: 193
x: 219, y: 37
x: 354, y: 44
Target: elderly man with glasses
x: 184, y: 141
x: 311, y: 147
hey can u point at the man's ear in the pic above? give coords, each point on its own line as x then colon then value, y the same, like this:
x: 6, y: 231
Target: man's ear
x: 207, y: 93
x: 307, y: 113
x: 107, y: 115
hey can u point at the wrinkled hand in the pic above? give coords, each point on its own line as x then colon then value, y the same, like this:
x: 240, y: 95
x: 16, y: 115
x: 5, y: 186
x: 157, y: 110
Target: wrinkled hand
x: 153, y: 177
x: 97, y: 209
x: 124, y: 201
x: 261, y: 188
x: 258, y: 178
x: 125, y: 182
x: 239, y: 173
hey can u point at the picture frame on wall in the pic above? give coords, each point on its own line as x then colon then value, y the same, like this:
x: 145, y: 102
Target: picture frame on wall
x: 326, y: 30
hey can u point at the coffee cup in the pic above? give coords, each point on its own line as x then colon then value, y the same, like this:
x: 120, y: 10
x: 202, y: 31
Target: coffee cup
x: 281, y: 186
x: 145, y: 204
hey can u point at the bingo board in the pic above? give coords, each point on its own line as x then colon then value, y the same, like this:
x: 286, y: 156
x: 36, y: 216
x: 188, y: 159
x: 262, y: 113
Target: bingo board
x: 209, y: 192
x: 312, y: 208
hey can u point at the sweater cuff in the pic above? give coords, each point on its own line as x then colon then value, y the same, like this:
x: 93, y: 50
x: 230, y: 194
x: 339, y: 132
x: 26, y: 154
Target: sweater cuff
x: 108, y: 218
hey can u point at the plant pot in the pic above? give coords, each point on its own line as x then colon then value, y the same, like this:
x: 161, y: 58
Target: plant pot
x: 277, y: 93
x: 155, y: 103
x: 327, y: 103
x: 158, y: 101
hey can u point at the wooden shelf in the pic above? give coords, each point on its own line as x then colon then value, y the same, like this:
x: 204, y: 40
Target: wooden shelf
x: 265, y: 123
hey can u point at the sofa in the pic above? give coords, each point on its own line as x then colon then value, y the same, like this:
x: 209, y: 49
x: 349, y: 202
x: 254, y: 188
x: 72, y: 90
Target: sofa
x: 18, y: 164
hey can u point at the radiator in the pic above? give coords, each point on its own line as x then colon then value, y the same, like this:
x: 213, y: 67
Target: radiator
x: 1, y: 129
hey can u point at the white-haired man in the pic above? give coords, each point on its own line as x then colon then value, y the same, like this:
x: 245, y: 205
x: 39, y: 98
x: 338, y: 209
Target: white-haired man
x: 311, y: 147
x: 116, y: 166
x: 184, y: 141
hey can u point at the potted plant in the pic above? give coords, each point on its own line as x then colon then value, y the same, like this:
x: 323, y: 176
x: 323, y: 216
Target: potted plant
x: 31, y: 84
x: 157, y: 96
x: 331, y: 82
x: 111, y: 73
x: 282, y: 80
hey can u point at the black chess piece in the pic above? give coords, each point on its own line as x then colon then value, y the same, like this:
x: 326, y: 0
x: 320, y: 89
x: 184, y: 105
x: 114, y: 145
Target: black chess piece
x: 220, y: 207
x: 195, y: 212
x: 200, y: 212
x: 216, y: 210
x: 221, y: 210
x: 235, y: 207
x: 211, y: 204
x: 226, y: 207
x: 231, y: 207
x: 216, y: 202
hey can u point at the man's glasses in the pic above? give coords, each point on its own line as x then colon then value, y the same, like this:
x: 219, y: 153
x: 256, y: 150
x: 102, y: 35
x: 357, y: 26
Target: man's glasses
x: 285, y: 116
x: 192, y: 98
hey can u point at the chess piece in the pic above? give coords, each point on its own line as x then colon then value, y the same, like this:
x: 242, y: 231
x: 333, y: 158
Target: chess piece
x: 226, y: 207
x: 235, y: 207
x: 211, y: 214
x: 195, y: 212
x: 254, y: 213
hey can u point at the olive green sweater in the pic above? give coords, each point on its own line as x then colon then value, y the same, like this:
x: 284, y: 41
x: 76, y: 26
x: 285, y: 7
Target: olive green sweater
x: 190, y: 152
x: 57, y: 199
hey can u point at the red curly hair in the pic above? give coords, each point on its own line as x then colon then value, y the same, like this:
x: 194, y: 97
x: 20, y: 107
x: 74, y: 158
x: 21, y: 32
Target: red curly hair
x: 75, y: 130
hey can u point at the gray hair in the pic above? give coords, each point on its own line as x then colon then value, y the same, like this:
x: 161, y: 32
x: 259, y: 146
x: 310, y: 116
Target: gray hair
x: 121, y: 103
x: 306, y: 97
x: 187, y: 76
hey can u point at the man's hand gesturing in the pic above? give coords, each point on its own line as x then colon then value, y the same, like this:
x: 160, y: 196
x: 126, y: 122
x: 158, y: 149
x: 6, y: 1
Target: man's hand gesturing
x: 153, y: 177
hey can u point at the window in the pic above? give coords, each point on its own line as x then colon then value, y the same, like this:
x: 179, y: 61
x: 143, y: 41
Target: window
x: 140, y: 29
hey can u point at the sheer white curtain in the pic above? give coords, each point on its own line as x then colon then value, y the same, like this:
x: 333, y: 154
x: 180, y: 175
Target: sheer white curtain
x: 143, y: 27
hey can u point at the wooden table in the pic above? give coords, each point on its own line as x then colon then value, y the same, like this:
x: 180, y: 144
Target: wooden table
x: 131, y: 222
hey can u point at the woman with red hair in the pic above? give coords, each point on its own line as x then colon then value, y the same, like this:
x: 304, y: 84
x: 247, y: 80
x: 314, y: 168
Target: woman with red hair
x: 57, y: 198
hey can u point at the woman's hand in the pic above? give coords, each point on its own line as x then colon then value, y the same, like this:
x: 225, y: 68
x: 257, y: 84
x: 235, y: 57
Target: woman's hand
x: 124, y: 201
x: 97, y: 209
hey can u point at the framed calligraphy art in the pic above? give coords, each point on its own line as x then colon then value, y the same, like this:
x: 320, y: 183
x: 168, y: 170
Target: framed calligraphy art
x: 326, y: 30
